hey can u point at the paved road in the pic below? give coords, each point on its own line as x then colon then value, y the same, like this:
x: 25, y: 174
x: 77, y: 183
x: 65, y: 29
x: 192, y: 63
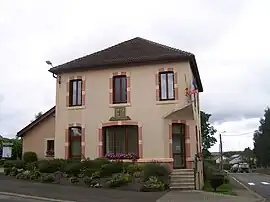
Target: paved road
x: 73, y: 193
x: 256, y: 182
x: 4, y: 198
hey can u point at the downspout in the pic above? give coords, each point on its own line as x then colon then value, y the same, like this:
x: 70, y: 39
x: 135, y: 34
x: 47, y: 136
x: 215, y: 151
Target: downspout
x: 195, y: 169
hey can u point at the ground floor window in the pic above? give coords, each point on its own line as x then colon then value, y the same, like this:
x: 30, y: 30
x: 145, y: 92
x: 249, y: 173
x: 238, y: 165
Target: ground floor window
x: 50, y: 147
x: 75, y: 139
x: 120, y: 139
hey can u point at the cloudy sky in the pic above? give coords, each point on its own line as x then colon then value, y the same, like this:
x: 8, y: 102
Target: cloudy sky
x: 229, y: 38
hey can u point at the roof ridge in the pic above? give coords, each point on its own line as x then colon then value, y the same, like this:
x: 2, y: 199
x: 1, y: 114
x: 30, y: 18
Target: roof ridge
x: 165, y: 46
x: 97, y: 52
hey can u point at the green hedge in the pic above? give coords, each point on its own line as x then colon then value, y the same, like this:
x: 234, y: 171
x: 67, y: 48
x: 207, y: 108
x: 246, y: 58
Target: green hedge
x: 14, y: 163
x: 29, y: 157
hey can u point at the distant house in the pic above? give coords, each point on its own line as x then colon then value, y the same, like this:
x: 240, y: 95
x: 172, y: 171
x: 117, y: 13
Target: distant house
x: 237, y: 158
x: 218, y: 160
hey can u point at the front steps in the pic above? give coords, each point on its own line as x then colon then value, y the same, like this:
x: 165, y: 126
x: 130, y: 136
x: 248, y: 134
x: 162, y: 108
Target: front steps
x: 182, y: 179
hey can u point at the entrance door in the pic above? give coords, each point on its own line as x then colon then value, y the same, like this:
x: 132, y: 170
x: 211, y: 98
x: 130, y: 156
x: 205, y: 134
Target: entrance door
x: 178, y: 144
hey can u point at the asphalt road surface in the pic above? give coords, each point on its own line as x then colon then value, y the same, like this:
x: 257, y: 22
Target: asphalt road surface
x: 256, y: 182
x: 4, y: 198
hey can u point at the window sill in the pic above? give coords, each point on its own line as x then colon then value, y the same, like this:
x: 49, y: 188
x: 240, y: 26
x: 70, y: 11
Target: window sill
x: 49, y: 155
x: 76, y: 107
x: 120, y: 105
x: 167, y: 102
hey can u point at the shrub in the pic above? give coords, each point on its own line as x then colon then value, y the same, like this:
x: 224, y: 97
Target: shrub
x: 98, y: 162
x: 217, y: 179
x: 13, y: 172
x: 90, y: 182
x: 88, y: 172
x: 47, y: 178
x: 74, y: 180
x: 47, y: 166
x: 30, y: 157
x: 158, y: 170
x: 58, y: 163
x: 2, y: 161
x: 25, y: 175
x: 35, y: 175
x: 153, y: 184
x: 132, y: 168
x: 73, y: 169
x: 111, y: 168
x: 31, y: 166
x: 208, y: 170
x: 7, y: 170
x: 96, y: 175
x: 14, y: 163
x: 119, y: 179
x: 226, y: 180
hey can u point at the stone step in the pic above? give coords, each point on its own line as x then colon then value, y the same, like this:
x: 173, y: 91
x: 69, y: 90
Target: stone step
x: 183, y: 174
x: 182, y: 188
x: 182, y: 171
x: 176, y: 180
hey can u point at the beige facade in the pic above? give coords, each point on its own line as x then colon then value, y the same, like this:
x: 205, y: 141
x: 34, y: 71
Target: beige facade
x: 154, y: 117
x: 156, y: 120
x: 38, y: 136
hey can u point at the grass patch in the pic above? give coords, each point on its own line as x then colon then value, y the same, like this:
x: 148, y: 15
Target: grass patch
x: 223, y: 189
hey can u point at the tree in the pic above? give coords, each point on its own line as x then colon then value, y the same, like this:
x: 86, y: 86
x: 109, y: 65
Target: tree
x: 38, y: 115
x: 248, y: 155
x: 208, y: 132
x: 261, y: 139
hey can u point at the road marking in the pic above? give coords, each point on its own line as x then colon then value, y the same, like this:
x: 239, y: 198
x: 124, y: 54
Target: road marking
x: 249, y: 189
x: 265, y: 183
x: 251, y: 184
x: 33, y: 197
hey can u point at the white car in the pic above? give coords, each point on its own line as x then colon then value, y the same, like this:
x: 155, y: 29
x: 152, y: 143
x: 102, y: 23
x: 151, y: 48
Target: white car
x: 240, y: 168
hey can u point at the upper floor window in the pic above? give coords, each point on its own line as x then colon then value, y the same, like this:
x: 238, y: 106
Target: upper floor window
x: 166, y: 85
x: 119, y: 89
x: 75, y: 92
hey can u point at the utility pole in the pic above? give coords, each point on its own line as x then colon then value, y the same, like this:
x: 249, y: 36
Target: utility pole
x: 221, y: 152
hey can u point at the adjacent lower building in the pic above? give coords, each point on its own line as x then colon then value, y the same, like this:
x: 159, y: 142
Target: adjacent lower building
x: 136, y: 97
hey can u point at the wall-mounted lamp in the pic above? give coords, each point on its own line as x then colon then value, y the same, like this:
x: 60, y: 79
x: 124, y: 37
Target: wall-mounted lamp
x: 48, y: 62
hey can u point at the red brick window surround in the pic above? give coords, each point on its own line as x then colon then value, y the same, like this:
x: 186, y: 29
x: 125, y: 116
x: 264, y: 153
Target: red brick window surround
x: 75, y: 141
x: 128, y: 128
x: 188, y: 158
x: 166, y: 85
x: 75, y: 91
x: 119, y: 88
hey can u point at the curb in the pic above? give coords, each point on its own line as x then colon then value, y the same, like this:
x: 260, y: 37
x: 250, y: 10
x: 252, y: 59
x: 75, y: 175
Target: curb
x: 33, y: 197
x: 261, y: 199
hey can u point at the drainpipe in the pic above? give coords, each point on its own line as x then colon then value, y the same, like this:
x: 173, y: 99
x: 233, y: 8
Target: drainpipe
x: 195, y: 169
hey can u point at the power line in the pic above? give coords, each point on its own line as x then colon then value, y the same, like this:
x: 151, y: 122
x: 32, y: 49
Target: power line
x: 246, y: 133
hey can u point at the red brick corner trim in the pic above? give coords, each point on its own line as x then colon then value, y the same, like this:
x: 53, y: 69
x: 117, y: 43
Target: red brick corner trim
x: 111, y: 86
x: 119, y: 123
x: 67, y: 142
x: 83, y: 89
x: 187, y: 142
x: 176, y: 88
